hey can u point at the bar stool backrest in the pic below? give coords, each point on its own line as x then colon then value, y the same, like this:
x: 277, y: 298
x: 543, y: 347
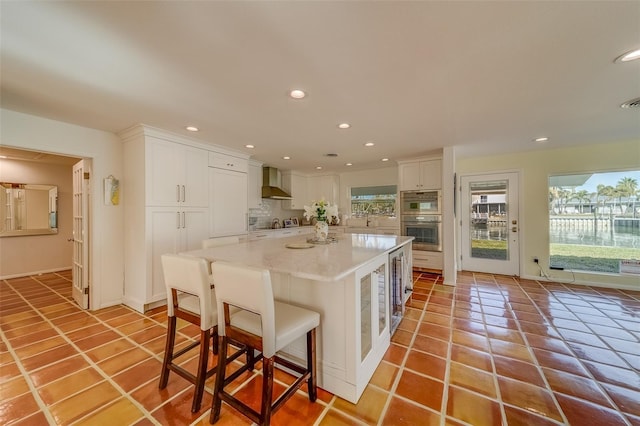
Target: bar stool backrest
x: 249, y: 289
x: 190, y: 275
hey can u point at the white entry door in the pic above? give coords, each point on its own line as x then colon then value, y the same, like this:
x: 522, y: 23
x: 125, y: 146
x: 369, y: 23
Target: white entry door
x: 81, y: 173
x: 490, y: 223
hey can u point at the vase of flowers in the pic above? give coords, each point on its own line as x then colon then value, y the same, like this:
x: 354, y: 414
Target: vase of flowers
x: 324, y: 213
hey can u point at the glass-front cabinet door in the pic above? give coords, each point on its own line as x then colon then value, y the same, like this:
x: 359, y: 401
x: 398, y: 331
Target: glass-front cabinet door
x: 373, y: 308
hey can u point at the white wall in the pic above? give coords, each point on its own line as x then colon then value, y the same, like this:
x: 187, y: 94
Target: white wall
x: 53, y: 251
x: 535, y: 168
x: 105, y: 149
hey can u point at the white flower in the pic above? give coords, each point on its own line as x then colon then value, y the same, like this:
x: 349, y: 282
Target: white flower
x: 322, y: 210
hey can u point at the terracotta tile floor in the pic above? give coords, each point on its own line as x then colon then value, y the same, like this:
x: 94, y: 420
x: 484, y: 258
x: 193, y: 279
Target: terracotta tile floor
x: 494, y: 350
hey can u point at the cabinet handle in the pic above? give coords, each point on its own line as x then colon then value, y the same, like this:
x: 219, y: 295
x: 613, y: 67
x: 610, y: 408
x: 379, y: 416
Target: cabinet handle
x: 178, y: 193
x: 184, y: 222
x: 184, y: 193
x: 177, y: 220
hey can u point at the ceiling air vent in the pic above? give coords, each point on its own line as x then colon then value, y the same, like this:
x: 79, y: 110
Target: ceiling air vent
x: 633, y: 103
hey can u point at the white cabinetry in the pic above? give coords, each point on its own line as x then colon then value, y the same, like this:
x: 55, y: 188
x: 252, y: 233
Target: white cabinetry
x: 419, y: 175
x: 427, y: 259
x: 227, y: 195
x: 254, y: 179
x: 176, y: 174
x: 166, y: 203
x: 296, y: 185
x: 171, y: 231
x: 327, y: 187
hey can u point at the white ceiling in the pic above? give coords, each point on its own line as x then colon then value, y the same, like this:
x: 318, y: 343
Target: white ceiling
x: 412, y: 77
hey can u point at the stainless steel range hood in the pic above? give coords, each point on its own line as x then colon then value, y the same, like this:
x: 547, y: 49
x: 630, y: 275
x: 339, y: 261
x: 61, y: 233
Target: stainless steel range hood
x: 271, y: 183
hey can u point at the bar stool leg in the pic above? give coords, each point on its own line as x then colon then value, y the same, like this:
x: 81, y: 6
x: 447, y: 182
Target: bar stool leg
x: 312, y: 383
x: 267, y: 390
x: 220, y: 376
x: 168, y: 352
x: 201, y: 377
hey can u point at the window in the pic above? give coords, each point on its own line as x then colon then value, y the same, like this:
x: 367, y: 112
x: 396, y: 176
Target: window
x: 594, y: 220
x: 373, y: 200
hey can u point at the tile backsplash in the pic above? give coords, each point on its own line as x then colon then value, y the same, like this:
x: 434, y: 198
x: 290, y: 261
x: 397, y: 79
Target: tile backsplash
x: 263, y: 216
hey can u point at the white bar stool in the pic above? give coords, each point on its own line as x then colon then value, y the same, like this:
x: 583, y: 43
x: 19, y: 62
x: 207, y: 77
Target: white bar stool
x: 264, y: 324
x: 191, y: 298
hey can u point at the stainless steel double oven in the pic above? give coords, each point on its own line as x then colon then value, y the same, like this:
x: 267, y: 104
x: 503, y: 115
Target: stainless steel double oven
x: 421, y: 218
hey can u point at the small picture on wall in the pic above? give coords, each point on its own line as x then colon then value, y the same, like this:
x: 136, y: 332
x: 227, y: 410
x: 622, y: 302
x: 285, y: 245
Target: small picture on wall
x: 294, y: 221
x: 287, y: 223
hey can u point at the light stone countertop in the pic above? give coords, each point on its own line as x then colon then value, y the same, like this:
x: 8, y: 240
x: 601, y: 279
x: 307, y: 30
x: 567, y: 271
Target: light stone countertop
x: 322, y: 262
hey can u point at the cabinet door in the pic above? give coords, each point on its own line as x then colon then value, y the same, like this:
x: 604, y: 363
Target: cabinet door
x: 254, y: 179
x: 297, y: 187
x: 227, y: 202
x: 164, y: 231
x: 177, y: 174
x: 195, y: 228
x: 409, y: 176
x: 323, y: 187
x: 196, y: 188
x: 374, y: 310
x: 431, y: 174
x: 165, y: 168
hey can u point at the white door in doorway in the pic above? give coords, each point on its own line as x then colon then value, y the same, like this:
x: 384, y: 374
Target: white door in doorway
x: 81, y: 173
x: 490, y: 223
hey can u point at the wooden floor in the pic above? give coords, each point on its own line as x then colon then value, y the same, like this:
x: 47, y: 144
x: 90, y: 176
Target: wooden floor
x: 494, y: 350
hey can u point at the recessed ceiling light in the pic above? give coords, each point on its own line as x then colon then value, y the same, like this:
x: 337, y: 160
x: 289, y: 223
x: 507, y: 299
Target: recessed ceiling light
x: 318, y: 167
x: 629, y: 56
x: 543, y: 139
x: 192, y: 128
x: 369, y: 144
x: 297, y: 94
x: 385, y: 159
x: 349, y: 164
x: 249, y: 146
x: 344, y: 125
x: 286, y: 157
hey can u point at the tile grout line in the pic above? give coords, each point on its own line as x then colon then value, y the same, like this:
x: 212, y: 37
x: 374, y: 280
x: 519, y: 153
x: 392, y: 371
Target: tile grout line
x: 27, y: 378
x: 596, y: 382
x: 45, y: 407
x: 396, y: 381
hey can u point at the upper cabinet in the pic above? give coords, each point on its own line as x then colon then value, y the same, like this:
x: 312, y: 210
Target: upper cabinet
x: 176, y: 174
x: 324, y: 187
x: 227, y: 194
x: 254, y: 177
x: 297, y: 186
x: 419, y: 175
x: 305, y: 189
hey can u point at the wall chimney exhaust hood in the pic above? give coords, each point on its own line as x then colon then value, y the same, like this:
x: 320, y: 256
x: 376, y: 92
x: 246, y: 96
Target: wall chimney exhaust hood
x: 271, y: 184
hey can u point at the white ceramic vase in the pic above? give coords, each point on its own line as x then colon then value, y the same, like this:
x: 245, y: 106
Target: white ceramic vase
x: 322, y: 230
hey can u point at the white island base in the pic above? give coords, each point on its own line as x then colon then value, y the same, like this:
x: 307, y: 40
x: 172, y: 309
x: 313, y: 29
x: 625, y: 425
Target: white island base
x: 347, y: 283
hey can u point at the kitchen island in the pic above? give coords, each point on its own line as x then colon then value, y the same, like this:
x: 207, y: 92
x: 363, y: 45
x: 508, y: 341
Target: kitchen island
x: 346, y: 282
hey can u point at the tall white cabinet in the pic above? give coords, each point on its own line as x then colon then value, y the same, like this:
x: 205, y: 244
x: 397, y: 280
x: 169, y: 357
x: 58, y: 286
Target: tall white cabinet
x: 166, y: 197
x: 228, y: 195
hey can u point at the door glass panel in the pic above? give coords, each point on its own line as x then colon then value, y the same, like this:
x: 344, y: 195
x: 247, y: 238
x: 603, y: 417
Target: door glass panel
x: 488, y: 219
x: 382, y: 306
x: 365, y: 316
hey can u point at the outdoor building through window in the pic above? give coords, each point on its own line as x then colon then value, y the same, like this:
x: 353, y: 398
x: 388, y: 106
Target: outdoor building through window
x: 594, y: 221
x: 373, y: 200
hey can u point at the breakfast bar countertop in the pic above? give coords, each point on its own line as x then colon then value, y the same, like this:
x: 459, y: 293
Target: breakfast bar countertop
x: 321, y: 262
